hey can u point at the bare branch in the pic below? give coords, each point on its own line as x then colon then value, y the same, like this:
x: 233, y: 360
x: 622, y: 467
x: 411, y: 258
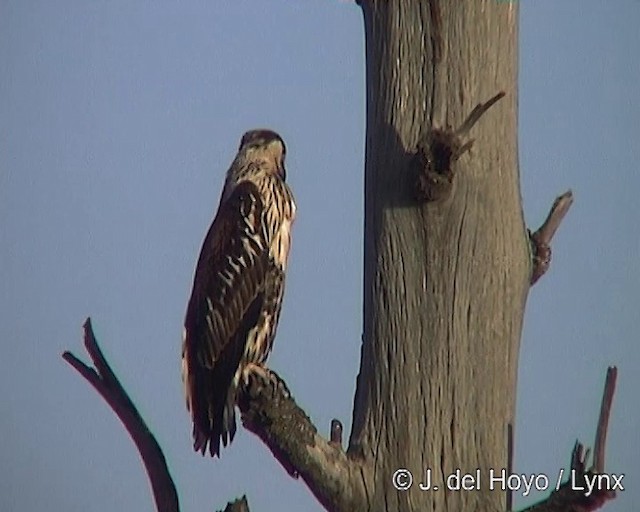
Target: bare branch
x: 587, y: 490
x: 108, y: 386
x: 269, y: 411
x: 541, y: 239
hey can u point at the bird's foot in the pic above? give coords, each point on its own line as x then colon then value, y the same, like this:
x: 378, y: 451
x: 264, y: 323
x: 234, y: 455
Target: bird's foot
x: 254, y: 370
x: 265, y: 377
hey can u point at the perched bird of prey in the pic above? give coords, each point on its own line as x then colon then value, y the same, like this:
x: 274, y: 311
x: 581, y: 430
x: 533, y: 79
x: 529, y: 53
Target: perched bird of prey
x: 238, y: 287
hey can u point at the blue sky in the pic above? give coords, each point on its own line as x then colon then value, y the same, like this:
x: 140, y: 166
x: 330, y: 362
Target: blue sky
x: 117, y: 123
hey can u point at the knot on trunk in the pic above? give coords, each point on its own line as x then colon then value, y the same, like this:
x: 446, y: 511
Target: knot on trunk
x: 437, y: 152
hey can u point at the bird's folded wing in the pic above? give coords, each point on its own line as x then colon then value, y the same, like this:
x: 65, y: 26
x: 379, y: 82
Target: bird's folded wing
x: 229, y: 277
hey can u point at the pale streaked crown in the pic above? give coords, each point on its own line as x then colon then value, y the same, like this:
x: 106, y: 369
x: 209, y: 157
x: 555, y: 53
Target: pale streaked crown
x: 264, y: 144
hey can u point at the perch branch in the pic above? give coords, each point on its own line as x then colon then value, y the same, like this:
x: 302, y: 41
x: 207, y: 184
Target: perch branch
x: 541, y: 239
x: 108, y: 386
x: 576, y: 494
x: 269, y: 411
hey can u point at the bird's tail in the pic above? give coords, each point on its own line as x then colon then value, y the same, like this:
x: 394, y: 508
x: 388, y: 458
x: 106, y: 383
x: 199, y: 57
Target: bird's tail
x: 223, y: 422
x: 223, y: 429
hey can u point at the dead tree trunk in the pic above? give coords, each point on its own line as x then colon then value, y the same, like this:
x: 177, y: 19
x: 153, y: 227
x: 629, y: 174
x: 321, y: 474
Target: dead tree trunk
x: 445, y: 281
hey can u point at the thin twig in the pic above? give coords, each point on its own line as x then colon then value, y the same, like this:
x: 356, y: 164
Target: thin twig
x: 106, y: 383
x: 477, y: 113
x: 102, y: 366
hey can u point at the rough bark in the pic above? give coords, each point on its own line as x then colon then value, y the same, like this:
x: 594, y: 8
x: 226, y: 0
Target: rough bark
x: 445, y: 282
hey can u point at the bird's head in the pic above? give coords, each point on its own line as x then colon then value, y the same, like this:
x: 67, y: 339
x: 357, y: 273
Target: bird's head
x: 266, y: 145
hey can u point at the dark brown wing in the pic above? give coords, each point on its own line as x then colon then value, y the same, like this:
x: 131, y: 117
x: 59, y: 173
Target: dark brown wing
x: 227, y: 297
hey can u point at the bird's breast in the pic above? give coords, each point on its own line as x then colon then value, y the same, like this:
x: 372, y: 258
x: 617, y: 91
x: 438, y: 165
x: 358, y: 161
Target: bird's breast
x: 284, y: 242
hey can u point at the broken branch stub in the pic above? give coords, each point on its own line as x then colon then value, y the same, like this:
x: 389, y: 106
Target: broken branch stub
x: 438, y: 151
x: 335, y: 435
x: 541, y: 239
x: 239, y: 505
